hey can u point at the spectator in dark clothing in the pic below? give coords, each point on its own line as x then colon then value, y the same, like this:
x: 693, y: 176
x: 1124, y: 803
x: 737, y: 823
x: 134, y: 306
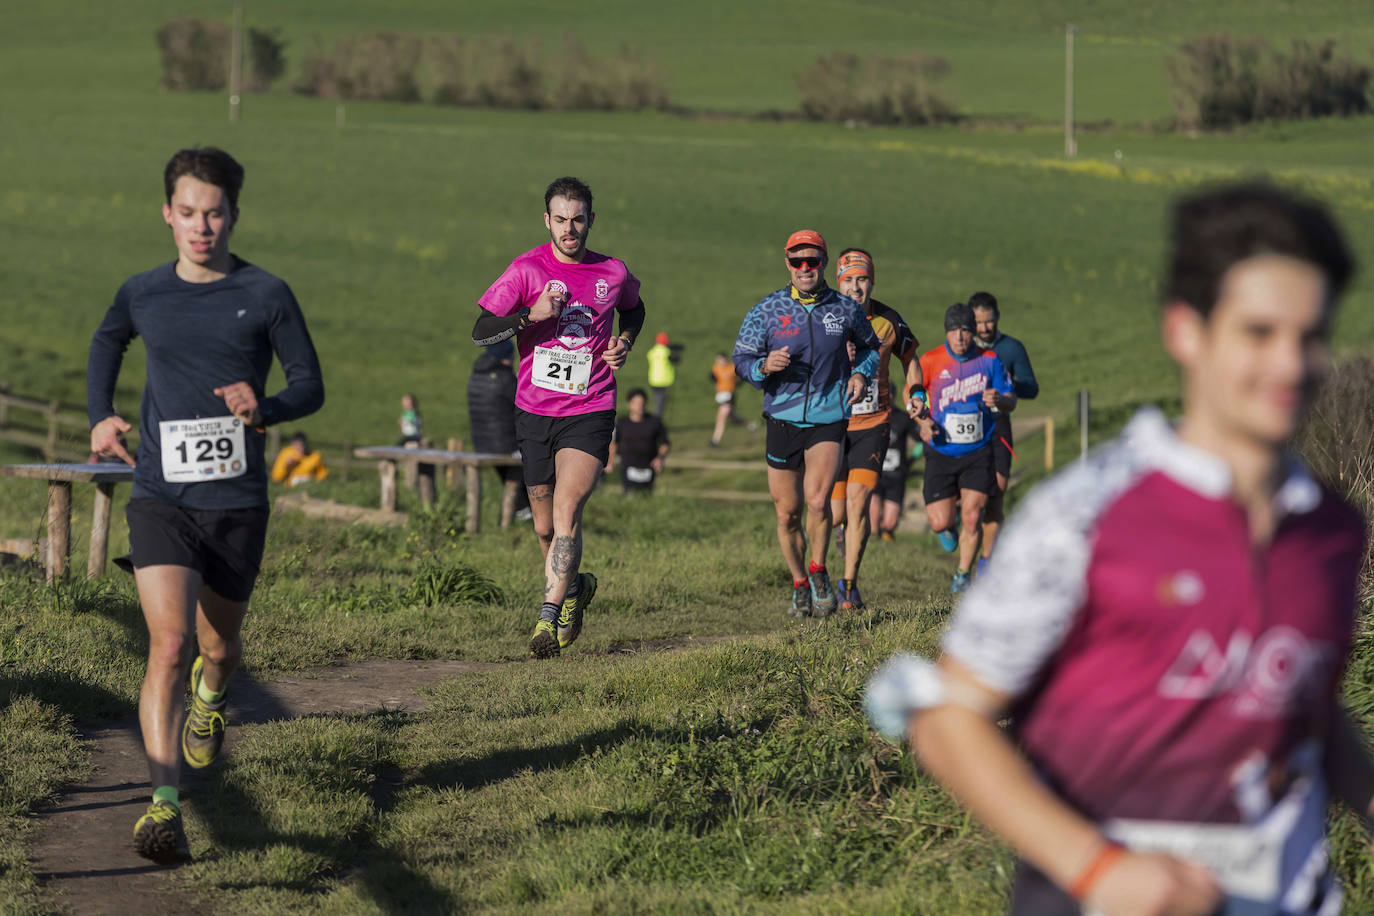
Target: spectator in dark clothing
x: 491, y: 412
x: 641, y: 443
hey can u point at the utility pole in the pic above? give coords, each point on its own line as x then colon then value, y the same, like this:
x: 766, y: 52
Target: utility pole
x: 236, y: 64
x: 1070, y: 144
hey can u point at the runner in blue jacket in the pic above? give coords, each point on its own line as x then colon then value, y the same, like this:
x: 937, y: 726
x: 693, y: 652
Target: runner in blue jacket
x: 794, y: 345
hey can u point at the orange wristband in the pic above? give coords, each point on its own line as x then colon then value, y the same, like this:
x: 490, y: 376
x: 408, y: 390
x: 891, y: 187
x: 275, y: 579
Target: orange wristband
x: 1105, y: 858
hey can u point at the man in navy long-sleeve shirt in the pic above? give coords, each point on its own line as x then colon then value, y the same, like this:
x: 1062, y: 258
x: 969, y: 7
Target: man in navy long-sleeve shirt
x: 1013, y: 355
x: 210, y: 324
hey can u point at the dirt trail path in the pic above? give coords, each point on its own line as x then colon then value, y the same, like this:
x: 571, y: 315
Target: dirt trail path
x: 83, y: 847
x: 83, y: 851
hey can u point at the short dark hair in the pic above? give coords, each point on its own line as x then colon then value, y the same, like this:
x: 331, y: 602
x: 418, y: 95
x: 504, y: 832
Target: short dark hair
x: 636, y: 393
x: 1218, y: 227
x: 568, y: 187
x: 982, y: 300
x: 302, y: 438
x: 209, y: 164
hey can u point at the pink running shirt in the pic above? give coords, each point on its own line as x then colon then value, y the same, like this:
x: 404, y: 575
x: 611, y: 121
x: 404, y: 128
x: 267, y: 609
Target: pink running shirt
x: 569, y: 383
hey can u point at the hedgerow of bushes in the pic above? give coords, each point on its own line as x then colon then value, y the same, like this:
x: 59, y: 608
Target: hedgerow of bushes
x: 195, y: 56
x: 875, y: 89
x: 496, y: 72
x: 1220, y: 81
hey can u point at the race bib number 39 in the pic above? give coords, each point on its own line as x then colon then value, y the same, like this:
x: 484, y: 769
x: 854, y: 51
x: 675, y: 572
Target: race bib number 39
x: 568, y: 371
x: 208, y: 448
x: 964, y: 428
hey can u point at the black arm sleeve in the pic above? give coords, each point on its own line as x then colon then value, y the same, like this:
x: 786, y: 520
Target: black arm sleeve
x: 632, y: 321
x: 304, y: 391
x: 492, y: 329
x: 106, y: 356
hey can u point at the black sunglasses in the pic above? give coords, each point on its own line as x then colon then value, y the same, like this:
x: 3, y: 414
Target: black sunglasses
x: 811, y: 263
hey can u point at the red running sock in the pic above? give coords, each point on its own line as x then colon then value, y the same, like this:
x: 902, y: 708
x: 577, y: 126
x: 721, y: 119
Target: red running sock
x: 815, y: 567
x: 798, y: 583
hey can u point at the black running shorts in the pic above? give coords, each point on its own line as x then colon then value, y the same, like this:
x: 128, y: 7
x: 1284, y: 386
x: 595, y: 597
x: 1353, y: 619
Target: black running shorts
x: 892, y: 487
x: 862, y: 450
x: 786, y: 444
x: 1002, y: 445
x: 540, y: 438
x: 223, y: 545
x: 946, y: 476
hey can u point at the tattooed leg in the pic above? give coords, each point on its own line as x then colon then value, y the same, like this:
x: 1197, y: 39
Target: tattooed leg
x: 541, y: 508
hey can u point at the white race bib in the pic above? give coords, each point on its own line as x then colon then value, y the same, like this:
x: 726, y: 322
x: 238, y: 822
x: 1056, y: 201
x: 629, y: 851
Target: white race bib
x: 639, y: 475
x: 568, y: 371
x: 892, y: 460
x: 964, y: 428
x: 870, y: 402
x: 208, y: 448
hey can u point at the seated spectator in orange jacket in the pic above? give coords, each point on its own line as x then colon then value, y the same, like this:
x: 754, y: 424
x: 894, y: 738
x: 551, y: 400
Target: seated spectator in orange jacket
x: 296, y: 463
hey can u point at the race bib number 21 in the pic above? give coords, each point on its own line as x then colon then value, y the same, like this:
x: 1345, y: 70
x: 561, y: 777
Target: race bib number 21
x: 207, y: 448
x: 568, y: 371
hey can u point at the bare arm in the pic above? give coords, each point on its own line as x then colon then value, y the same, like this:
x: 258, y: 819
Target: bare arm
x: 961, y: 745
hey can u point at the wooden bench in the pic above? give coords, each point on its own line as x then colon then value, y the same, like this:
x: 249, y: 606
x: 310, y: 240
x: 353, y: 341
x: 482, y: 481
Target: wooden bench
x: 60, y: 478
x: 425, y: 460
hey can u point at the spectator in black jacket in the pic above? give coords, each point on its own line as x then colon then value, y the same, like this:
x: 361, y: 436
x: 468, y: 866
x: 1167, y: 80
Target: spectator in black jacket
x: 491, y: 412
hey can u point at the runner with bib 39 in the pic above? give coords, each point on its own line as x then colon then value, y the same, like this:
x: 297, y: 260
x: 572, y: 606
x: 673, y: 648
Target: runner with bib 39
x: 965, y: 388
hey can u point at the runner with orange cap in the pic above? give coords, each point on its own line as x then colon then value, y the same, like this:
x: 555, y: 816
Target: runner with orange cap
x: 794, y: 345
x: 865, y: 442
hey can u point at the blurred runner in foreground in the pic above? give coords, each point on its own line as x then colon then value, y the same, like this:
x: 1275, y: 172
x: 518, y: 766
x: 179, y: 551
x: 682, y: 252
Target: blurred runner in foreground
x: 1167, y: 621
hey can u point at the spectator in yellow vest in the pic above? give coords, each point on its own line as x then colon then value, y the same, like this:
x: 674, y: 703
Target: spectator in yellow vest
x: 296, y: 463
x: 661, y: 371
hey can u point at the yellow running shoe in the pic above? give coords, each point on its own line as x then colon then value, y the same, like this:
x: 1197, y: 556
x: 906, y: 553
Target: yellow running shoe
x: 544, y: 642
x: 570, y: 615
x: 158, y: 835
x: 203, y: 733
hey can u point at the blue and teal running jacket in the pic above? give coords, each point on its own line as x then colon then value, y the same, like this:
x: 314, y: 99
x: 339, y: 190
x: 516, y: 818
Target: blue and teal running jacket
x: 811, y: 390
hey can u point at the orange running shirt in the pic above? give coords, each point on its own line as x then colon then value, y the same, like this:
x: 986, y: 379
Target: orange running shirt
x: 894, y: 337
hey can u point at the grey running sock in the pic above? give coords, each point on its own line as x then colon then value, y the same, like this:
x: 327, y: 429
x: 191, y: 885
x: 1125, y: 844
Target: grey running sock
x: 575, y: 589
x: 549, y: 612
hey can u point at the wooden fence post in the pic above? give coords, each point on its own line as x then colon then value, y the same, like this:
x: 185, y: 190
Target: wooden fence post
x: 451, y: 472
x: 473, y: 479
x: 4, y: 405
x: 1049, y: 443
x: 273, y: 444
x: 100, y: 531
x: 386, y: 470
x: 50, y: 447
x: 59, y: 528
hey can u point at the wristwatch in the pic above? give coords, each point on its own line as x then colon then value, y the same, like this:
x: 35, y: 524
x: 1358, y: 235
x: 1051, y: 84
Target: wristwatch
x: 524, y: 314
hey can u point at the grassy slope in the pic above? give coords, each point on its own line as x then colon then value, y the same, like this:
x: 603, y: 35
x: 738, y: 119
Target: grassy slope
x: 388, y: 231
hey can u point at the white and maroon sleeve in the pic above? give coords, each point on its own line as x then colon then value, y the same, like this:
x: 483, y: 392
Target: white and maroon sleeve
x: 1015, y: 616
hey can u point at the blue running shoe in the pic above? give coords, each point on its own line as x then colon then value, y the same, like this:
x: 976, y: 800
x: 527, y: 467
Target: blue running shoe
x: 982, y: 566
x: 849, y: 596
x: 822, y: 595
x: 961, y: 580
x: 839, y: 537
x: 948, y: 541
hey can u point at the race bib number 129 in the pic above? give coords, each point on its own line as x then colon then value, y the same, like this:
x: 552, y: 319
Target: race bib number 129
x: 208, y: 448
x: 568, y: 371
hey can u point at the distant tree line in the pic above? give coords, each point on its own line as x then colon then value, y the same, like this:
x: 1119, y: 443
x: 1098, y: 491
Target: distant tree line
x: 1220, y: 81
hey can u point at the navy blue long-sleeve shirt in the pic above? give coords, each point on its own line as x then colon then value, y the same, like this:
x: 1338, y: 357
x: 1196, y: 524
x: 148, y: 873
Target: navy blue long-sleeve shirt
x: 1013, y: 355
x: 199, y: 337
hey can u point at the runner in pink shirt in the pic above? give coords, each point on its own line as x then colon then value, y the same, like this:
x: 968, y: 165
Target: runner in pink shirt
x: 1167, y: 622
x: 558, y: 300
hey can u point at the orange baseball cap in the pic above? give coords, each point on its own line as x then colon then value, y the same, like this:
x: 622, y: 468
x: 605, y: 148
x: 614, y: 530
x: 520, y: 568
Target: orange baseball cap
x: 803, y: 238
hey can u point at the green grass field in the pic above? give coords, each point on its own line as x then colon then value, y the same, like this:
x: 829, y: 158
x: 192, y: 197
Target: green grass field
x: 597, y: 785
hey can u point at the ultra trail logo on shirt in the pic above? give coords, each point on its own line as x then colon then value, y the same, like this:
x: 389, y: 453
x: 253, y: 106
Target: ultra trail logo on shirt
x: 834, y: 324
x: 575, y: 325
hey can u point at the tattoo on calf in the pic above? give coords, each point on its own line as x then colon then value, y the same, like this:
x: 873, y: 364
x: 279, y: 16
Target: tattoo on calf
x: 564, y: 557
x: 541, y: 493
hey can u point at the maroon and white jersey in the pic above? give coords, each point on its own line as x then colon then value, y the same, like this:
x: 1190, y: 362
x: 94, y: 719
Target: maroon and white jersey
x: 1176, y: 682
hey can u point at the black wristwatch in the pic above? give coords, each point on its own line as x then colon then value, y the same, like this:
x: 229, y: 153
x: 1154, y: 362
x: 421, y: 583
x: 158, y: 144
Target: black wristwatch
x: 524, y: 314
